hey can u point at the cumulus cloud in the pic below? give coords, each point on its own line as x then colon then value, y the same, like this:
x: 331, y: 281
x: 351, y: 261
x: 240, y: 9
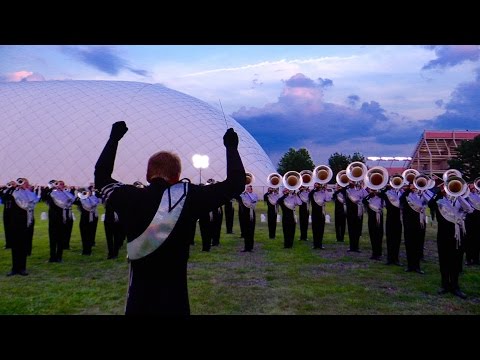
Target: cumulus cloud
x: 103, y: 58
x: 439, y: 103
x: 301, y: 116
x: 353, y: 100
x: 22, y: 75
x: 451, y: 55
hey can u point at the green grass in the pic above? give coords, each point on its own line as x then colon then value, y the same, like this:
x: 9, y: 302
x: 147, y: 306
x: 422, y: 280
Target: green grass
x: 271, y: 280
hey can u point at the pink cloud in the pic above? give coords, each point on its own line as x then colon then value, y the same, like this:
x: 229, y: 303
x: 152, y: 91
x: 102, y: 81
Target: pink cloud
x: 23, y: 76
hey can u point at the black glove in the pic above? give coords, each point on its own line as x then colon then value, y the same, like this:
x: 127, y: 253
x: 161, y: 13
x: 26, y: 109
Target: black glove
x: 118, y: 130
x: 230, y: 139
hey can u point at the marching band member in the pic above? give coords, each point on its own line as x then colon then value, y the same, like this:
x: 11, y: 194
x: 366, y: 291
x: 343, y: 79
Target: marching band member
x: 318, y: 198
x: 22, y: 225
x: 59, y: 219
x: 393, y: 223
x: 87, y: 204
x: 158, y: 220
x: 216, y: 219
x: 270, y: 198
x: 229, y: 213
x: 249, y: 202
x: 450, y: 213
x: 374, y: 204
x: 472, y: 240
x: 288, y: 201
x: 7, y: 206
x: 303, y: 211
x: 354, y: 195
x: 340, y: 213
x: 413, y: 214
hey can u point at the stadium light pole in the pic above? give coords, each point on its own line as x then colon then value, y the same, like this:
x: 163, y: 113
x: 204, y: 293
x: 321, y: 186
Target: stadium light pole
x: 200, y: 162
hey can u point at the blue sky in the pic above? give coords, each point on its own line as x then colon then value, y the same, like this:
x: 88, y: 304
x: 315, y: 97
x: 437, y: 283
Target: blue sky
x: 373, y: 99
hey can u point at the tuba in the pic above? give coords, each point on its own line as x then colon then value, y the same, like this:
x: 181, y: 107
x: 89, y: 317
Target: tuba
x: 455, y: 186
x: 397, y: 181
x: 476, y: 183
x: 322, y: 174
x: 422, y: 182
x: 449, y: 173
x: 82, y: 195
x: 376, y: 178
x: 307, y: 177
x: 21, y: 181
x: 249, y: 178
x: 409, y: 175
x: 342, y: 178
x: 274, y: 180
x: 356, y: 171
x: 292, y: 180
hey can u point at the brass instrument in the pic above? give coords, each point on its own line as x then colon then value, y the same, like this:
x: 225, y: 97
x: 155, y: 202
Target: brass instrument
x: 307, y: 177
x: 397, y: 181
x: 409, y: 175
x: 249, y: 178
x: 422, y: 182
x: 322, y: 174
x: 292, y: 180
x: 11, y: 184
x: 356, y: 171
x: 376, y: 178
x: 342, y: 178
x: 83, y: 194
x: 449, y: 173
x: 140, y: 185
x: 476, y: 183
x: 455, y: 186
x: 274, y: 180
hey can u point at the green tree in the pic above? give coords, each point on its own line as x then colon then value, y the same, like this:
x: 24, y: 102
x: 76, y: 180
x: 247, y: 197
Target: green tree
x: 357, y: 157
x: 468, y: 159
x: 295, y: 160
x: 338, y: 162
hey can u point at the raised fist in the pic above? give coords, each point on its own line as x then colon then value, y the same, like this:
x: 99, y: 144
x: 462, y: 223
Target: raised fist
x: 230, y: 139
x: 118, y: 130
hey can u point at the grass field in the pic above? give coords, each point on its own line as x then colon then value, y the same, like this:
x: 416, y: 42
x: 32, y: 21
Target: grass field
x: 271, y: 280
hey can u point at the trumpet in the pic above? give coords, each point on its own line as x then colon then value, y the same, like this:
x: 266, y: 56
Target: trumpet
x: 342, y: 178
x: 21, y: 181
x: 455, y: 186
x: 138, y: 184
x: 249, y: 178
x: 397, y: 181
x: 409, y: 175
x: 11, y: 184
x: 422, y: 182
x: 376, y: 178
x: 356, y: 171
x: 307, y: 177
x: 52, y: 184
x: 322, y: 174
x: 274, y: 180
x: 292, y: 180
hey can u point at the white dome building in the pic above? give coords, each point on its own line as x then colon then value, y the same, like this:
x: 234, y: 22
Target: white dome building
x: 57, y: 129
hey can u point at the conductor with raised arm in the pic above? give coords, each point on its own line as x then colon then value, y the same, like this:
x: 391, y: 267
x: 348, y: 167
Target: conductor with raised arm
x: 158, y: 221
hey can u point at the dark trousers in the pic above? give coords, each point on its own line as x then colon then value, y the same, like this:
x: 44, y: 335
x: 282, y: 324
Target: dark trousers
x: 56, y: 231
x: 289, y: 227
x: 241, y: 210
x: 318, y: 228
x: 303, y: 214
x: 450, y: 260
x: 205, y: 231
x: 412, y: 244
x: 68, y: 230
x: 354, y: 224
x: 340, y: 223
x: 30, y: 237
x: 272, y: 222
x: 7, y: 227
x: 115, y: 237
x: 229, y: 213
x: 19, y: 247
x: 249, y: 232
x: 87, y: 232
x: 216, y: 227
x: 375, y: 231
x: 393, y: 232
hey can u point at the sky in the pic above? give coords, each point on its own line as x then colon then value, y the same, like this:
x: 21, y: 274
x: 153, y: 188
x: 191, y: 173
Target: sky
x: 376, y: 100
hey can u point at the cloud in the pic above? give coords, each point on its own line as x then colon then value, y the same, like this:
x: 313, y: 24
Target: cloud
x: 352, y: 100
x: 103, y: 58
x: 451, y: 55
x: 301, y: 116
x: 324, y: 83
x: 463, y: 110
x: 22, y: 76
x: 439, y: 103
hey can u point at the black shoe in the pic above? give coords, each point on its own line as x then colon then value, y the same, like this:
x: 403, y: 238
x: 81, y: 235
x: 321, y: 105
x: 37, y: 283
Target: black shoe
x: 459, y: 293
x: 52, y: 260
x: 244, y: 250
x: 205, y: 250
x: 59, y: 261
x: 409, y: 270
x: 419, y: 271
x: 398, y: 263
x: 23, y: 273
x: 11, y: 273
x: 442, y: 291
x: 357, y: 251
x: 389, y: 263
x: 340, y: 241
